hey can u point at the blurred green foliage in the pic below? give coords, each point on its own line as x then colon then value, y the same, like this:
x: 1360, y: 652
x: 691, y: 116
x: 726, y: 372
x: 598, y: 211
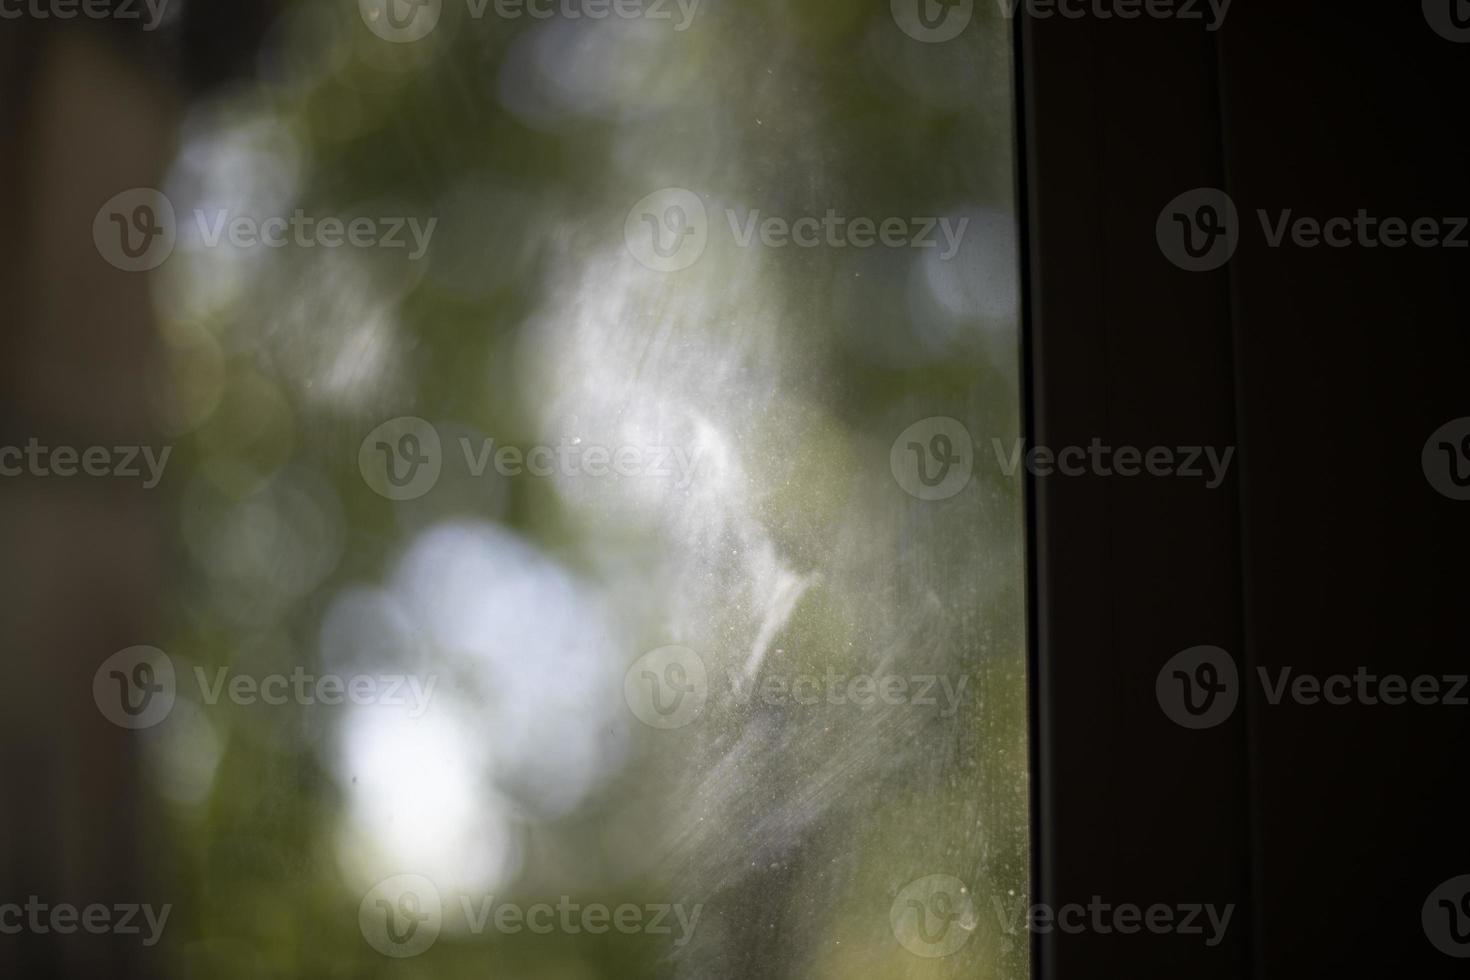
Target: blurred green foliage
x: 529, y: 141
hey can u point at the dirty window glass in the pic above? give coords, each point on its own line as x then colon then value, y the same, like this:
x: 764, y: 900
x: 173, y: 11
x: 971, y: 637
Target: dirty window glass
x: 595, y: 554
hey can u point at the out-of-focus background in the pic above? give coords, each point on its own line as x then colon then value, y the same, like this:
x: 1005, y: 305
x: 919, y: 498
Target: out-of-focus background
x: 493, y: 508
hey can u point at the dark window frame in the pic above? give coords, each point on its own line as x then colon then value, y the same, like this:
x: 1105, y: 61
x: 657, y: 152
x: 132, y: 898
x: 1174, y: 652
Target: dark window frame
x: 1324, y: 550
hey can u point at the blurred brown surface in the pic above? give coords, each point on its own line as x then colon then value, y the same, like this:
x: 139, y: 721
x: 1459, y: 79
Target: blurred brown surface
x: 81, y: 555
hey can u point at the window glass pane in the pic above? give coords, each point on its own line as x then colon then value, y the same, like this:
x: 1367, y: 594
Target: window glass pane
x: 597, y: 550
